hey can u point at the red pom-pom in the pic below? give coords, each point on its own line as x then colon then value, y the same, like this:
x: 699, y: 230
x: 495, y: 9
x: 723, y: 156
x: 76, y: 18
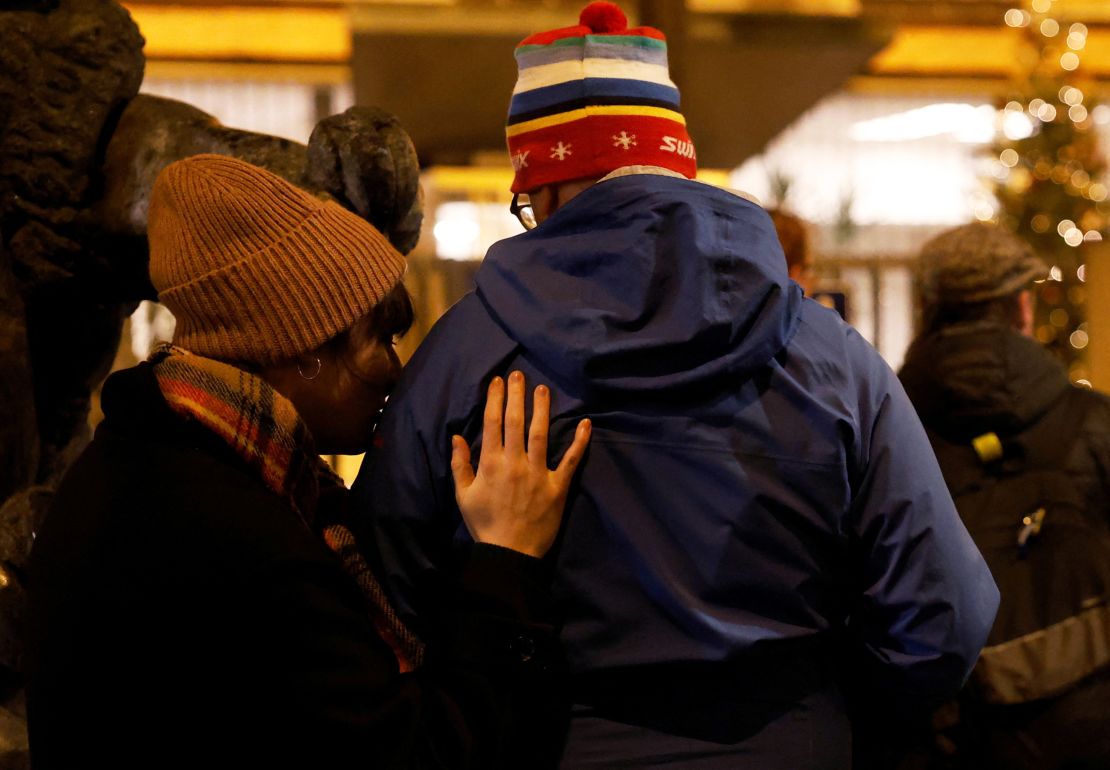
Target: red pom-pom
x: 603, y: 17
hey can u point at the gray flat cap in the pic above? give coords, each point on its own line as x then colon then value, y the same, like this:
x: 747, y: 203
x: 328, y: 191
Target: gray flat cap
x: 975, y: 263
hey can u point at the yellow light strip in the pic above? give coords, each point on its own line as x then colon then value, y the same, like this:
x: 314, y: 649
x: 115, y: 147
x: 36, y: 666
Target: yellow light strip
x: 1089, y: 11
x: 471, y: 179
x: 970, y: 51
x: 266, y: 72
x: 951, y: 50
x: 243, y: 33
x: 792, y: 7
x: 585, y: 112
x: 451, y: 19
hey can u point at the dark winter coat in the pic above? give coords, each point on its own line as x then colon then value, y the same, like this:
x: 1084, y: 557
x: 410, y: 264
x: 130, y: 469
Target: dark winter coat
x: 974, y: 378
x: 184, y: 616
x: 757, y: 489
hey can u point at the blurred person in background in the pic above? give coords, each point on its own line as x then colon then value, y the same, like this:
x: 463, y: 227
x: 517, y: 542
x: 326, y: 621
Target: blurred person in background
x: 794, y: 239
x: 758, y: 495
x: 198, y: 595
x: 1026, y: 456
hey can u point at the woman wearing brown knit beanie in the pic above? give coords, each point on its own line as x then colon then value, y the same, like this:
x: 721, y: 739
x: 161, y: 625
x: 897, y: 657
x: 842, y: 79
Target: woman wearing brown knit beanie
x: 198, y: 598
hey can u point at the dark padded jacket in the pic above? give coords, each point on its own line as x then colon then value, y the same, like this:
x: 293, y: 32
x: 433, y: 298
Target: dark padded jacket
x: 184, y: 616
x: 975, y: 378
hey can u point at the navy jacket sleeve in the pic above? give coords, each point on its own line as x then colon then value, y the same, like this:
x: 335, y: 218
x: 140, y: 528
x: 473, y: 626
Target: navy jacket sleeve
x: 404, y: 496
x: 927, y: 599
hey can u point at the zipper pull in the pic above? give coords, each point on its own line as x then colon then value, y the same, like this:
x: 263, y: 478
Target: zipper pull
x: 1031, y: 527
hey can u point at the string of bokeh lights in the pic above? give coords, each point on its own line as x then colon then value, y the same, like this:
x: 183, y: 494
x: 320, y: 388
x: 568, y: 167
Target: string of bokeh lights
x: 1018, y: 121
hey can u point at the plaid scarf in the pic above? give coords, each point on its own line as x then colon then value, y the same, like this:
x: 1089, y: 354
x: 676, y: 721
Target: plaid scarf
x: 263, y: 428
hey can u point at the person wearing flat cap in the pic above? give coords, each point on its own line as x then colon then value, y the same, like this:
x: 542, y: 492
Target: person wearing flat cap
x: 198, y: 594
x: 758, y: 494
x: 1014, y: 436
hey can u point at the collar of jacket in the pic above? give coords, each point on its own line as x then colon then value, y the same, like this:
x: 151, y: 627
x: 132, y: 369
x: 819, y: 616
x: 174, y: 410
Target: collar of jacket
x: 260, y: 425
x: 971, y: 378
x: 660, y: 171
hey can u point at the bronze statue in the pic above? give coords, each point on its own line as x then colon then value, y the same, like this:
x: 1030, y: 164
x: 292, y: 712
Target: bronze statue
x: 79, y: 150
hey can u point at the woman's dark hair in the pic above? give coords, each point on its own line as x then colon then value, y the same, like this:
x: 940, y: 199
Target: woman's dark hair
x: 389, y: 319
x: 394, y: 315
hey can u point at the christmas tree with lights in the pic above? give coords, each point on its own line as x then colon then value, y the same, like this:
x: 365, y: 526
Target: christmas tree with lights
x: 1048, y: 171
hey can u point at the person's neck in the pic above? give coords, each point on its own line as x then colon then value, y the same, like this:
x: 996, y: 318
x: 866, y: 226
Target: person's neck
x: 550, y: 198
x: 567, y: 191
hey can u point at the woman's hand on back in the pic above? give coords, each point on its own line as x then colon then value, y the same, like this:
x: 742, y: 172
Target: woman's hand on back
x: 515, y: 501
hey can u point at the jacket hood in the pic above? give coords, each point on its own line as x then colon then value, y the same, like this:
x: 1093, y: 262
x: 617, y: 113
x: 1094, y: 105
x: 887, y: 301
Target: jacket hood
x: 645, y: 283
x: 972, y: 378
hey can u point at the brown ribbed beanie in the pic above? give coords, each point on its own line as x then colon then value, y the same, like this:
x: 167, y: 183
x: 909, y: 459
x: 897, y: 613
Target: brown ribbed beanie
x: 256, y: 269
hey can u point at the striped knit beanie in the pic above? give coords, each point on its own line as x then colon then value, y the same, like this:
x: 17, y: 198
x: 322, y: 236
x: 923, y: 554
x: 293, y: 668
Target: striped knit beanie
x: 256, y: 269
x: 593, y: 98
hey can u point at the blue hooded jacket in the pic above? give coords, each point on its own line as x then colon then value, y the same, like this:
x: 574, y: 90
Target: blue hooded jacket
x: 758, y: 496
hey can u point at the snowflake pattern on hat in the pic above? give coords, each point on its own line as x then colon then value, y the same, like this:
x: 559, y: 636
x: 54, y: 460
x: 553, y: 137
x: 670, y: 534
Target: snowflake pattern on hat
x: 561, y: 151
x: 625, y: 140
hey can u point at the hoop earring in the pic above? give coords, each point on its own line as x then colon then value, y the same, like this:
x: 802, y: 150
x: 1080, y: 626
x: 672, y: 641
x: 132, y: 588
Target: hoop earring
x: 315, y: 372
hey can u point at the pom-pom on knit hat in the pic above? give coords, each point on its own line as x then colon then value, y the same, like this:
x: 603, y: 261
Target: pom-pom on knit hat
x: 255, y: 269
x: 592, y: 98
x: 975, y: 263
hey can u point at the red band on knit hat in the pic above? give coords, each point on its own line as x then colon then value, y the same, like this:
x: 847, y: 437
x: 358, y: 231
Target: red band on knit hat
x: 594, y: 146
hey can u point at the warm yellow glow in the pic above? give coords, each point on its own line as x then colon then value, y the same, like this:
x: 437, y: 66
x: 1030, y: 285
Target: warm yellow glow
x: 969, y: 51
x: 1087, y: 10
x: 447, y: 17
x: 473, y: 180
x: 1097, y: 275
x: 798, y: 7
x: 317, y: 34
x: 951, y: 50
x: 281, y: 72
x: 347, y: 466
x: 713, y: 176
